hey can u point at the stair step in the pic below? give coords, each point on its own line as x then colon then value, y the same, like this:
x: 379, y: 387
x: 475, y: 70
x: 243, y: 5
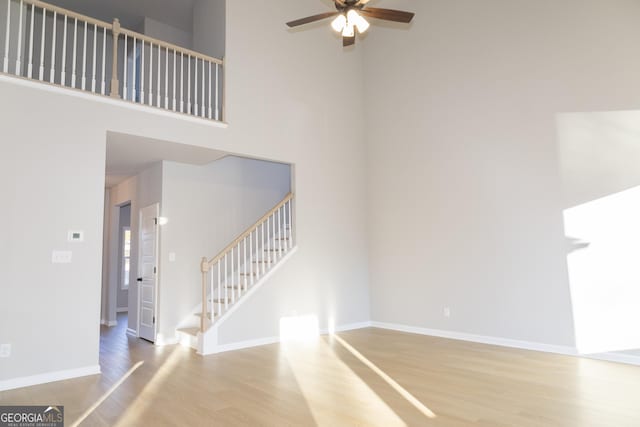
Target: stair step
x: 190, y: 331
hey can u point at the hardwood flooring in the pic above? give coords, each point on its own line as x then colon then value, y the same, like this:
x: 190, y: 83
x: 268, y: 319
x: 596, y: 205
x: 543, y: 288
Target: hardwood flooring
x: 368, y: 377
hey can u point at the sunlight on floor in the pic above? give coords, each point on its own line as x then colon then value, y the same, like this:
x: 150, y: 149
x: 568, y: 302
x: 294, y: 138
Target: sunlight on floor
x: 136, y: 409
x: 106, y: 395
x: 397, y: 387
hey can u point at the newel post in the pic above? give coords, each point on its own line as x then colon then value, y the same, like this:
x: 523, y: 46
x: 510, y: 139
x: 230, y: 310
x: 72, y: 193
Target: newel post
x: 115, y: 84
x: 204, y: 268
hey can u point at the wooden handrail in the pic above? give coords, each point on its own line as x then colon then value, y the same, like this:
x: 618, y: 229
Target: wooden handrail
x: 70, y: 13
x: 246, y: 233
x: 171, y: 46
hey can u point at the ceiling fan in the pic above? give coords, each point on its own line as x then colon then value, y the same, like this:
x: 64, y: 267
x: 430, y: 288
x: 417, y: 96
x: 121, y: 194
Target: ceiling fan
x: 350, y: 16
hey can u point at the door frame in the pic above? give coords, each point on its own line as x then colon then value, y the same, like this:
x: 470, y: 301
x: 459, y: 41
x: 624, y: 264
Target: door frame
x: 157, y: 275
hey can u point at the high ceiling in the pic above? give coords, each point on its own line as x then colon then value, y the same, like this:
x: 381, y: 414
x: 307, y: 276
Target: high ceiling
x: 178, y: 13
x: 128, y: 155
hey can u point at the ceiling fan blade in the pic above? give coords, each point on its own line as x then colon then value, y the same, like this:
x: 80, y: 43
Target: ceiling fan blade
x: 388, y: 14
x: 348, y: 41
x: 313, y: 18
x: 362, y: 2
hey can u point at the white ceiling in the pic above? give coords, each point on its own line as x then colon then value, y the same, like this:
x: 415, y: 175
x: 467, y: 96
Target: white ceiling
x: 128, y: 155
x: 177, y: 13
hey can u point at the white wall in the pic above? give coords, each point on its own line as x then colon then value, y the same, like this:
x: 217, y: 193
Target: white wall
x: 209, y: 27
x: 282, y: 89
x: 207, y: 207
x: 465, y: 196
x: 168, y: 33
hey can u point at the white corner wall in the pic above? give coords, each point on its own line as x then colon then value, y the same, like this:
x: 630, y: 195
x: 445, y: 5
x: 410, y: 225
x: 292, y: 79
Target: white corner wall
x: 465, y: 196
x: 207, y: 207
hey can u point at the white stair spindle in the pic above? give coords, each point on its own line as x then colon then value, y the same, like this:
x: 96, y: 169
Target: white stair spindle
x: 19, y: 52
x: 158, y: 80
x: 219, y: 291
x: 30, y: 65
x: 289, y: 229
x: 263, y: 248
x: 239, y: 272
x: 74, y: 55
x: 233, y: 288
x: 182, y: 82
x: 280, y: 231
x: 174, y: 79
x: 63, y: 70
x: 52, y: 74
x: 134, y: 75
x: 151, y: 74
x: 244, y: 242
x: 217, y: 103
x: 42, y: 46
x: 273, y: 233
x: 142, y: 42
x: 84, y: 59
x: 103, y: 79
x: 189, y: 84
x: 195, y: 84
x: 202, y: 110
x: 5, y: 66
x: 212, y: 302
x: 209, y: 93
x: 226, y: 284
x: 95, y: 54
x: 166, y: 78
x: 251, y: 263
x: 125, y: 88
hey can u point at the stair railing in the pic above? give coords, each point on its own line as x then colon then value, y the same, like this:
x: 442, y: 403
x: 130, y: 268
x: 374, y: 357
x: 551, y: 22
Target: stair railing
x: 47, y: 43
x: 246, y: 260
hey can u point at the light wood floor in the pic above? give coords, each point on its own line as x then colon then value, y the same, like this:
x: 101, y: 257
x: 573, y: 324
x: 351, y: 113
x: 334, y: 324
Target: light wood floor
x: 368, y: 377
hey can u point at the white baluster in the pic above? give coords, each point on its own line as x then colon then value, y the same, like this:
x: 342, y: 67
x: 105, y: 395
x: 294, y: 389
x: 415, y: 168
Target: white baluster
x: 289, y: 230
x: 5, y: 66
x: 226, y: 286
x: 239, y: 273
x: 216, y: 91
x: 273, y: 233
x: 103, y: 80
x: 182, y: 82
x: 209, y: 98
x: 44, y: 21
x: 263, y: 249
x: 19, y: 52
x: 203, y: 111
x: 151, y: 74
x: 195, y: 83
x: 166, y: 78
x: 219, y: 290
x: 63, y: 67
x: 159, y: 95
x: 245, y: 264
x: 95, y: 54
x: 142, y: 72
x: 189, y: 84
x: 251, y: 263
x: 84, y: 59
x: 75, y: 48
x: 174, y: 79
x: 124, y: 70
x: 134, y: 75
x: 211, y: 294
x: 279, y: 231
x: 233, y: 288
x: 52, y: 74
x: 30, y: 65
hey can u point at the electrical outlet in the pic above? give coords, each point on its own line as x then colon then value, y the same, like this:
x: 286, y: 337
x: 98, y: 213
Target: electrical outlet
x: 447, y: 312
x: 5, y: 350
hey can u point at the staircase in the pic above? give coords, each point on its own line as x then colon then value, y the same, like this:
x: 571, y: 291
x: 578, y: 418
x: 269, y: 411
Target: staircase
x: 230, y: 277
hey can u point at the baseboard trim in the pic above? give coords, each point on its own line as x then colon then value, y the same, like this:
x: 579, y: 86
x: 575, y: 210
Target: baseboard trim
x: 111, y: 323
x: 48, y: 377
x: 122, y: 310
x: 272, y: 340
x: 461, y: 336
x: 132, y: 332
x: 615, y: 357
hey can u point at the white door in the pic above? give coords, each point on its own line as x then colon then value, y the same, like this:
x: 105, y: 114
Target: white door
x: 148, y: 271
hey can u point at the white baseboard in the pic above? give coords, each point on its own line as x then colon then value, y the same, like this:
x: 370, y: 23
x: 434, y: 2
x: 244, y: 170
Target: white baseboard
x: 112, y: 323
x: 272, y: 340
x: 629, y: 359
x: 132, y: 332
x: 504, y: 342
x: 48, y: 377
x: 122, y: 309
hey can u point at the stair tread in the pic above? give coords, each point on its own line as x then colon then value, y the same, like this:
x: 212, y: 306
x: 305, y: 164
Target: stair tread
x: 190, y: 331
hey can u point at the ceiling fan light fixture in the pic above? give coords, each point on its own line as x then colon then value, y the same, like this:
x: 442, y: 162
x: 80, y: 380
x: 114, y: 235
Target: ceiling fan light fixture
x: 339, y: 23
x: 348, y: 30
x: 354, y: 18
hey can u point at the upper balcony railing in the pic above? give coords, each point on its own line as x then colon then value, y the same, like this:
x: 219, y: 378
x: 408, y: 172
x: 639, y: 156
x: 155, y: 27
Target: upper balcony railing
x: 47, y: 43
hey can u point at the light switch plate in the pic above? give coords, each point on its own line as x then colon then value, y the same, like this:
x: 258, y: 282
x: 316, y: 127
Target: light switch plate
x: 5, y: 350
x: 61, y: 257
